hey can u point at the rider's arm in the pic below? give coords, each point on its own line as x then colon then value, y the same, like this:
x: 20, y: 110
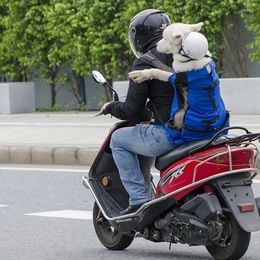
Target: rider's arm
x: 134, y: 106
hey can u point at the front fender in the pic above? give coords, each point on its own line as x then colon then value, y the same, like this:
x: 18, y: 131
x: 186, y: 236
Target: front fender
x: 236, y: 191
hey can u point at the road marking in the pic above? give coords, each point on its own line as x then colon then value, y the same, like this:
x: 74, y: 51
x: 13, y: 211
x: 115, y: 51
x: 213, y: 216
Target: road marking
x: 3, y: 206
x: 33, y: 169
x: 56, y: 124
x: 71, y: 214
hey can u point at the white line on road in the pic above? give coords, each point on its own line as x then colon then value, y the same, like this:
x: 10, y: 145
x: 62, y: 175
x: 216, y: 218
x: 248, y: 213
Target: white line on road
x: 3, y: 206
x: 71, y: 214
x: 56, y: 124
x: 33, y: 169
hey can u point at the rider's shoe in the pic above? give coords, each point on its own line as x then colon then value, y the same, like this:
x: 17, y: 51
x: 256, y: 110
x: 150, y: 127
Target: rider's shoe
x: 131, y: 209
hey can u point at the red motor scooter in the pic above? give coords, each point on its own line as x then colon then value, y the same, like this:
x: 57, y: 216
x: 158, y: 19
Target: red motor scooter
x: 204, y: 195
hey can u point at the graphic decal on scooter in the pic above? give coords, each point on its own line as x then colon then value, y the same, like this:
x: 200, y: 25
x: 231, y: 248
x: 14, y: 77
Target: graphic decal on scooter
x: 173, y: 174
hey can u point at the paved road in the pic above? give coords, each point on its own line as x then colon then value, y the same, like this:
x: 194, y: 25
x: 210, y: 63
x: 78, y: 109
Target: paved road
x: 55, y: 129
x: 73, y: 129
x: 46, y: 215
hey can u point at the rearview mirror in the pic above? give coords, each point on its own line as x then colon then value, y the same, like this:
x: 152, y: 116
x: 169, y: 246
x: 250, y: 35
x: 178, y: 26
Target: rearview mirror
x: 98, y: 77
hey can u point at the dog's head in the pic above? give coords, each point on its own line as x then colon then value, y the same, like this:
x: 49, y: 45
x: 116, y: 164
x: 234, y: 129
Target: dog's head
x: 173, y: 35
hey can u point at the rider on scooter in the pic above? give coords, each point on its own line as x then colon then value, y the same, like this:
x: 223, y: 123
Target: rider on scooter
x: 145, y: 31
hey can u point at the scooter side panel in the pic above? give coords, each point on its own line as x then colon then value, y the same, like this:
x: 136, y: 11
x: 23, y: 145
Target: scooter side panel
x: 114, y: 189
x: 113, y: 197
x: 104, y: 165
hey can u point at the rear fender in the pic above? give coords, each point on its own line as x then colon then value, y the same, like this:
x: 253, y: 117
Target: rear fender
x: 236, y: 190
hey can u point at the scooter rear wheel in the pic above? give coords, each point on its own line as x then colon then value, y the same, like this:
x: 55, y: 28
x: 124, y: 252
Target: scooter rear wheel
x: 236, y: 241
x: 107, y: 235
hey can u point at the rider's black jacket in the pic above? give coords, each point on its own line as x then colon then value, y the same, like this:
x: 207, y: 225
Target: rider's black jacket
x: 161, y: 94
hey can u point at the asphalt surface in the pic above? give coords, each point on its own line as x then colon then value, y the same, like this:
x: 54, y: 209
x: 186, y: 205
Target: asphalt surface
x: 81, y: 129
x: 69, y: 235
x: 71, y: 129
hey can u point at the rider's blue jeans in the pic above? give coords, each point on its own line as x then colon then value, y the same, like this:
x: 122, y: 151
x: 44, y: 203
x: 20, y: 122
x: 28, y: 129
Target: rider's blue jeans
x: 126, y: 144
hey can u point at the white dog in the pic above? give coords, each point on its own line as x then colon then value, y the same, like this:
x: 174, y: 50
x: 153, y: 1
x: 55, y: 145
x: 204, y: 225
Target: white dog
x: 171, y: 42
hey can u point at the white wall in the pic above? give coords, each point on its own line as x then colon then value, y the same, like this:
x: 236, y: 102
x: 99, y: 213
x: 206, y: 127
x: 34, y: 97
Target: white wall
x: 17, y: 97
x: 95, y: 95
x: 241, y: 95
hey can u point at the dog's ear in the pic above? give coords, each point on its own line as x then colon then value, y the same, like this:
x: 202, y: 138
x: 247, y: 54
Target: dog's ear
x: 196, y: 27
x: 177, y: 37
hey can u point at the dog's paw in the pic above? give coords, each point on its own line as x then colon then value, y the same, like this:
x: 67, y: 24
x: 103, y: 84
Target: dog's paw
x: 140, y: 75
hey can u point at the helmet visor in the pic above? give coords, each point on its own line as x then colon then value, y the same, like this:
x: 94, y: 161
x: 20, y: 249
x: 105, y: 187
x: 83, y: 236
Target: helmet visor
x: 131, y: 39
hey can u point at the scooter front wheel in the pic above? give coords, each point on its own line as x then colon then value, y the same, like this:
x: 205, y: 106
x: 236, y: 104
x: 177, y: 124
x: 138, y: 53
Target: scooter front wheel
x: 235, y: 241
x: 107, y: 235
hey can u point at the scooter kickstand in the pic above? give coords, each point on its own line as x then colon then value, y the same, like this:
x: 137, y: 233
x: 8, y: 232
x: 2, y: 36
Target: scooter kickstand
x: 171, y: 238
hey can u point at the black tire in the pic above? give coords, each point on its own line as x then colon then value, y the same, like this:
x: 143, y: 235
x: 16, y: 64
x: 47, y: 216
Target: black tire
x: 106, y: 234
x: 237, y: 242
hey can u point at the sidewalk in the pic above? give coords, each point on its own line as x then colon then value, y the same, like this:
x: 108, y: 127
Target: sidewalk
x: 64, y: 138
x: 52, y: 138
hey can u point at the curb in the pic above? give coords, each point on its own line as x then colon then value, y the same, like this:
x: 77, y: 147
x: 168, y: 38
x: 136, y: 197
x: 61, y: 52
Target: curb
x: 53, y: 155
x: 47, y: 155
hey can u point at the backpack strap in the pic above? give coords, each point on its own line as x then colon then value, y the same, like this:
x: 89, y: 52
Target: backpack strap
x: 213, y: 72
x: 155, y: 110
x: 175, y: 103
x: 151, y: 58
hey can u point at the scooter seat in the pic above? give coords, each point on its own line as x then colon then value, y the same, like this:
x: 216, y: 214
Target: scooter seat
x: 178, y: 153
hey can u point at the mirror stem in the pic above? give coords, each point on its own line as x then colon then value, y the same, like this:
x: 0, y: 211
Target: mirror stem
x: 115, y: 94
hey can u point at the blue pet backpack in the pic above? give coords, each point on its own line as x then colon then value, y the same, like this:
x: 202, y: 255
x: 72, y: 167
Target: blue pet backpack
x: 198, y: 101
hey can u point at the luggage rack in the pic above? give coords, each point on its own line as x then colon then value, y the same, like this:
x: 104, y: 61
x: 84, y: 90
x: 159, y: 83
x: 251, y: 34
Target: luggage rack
x: 247, y: 146
x: 243, y: 142
x: 220, y: 139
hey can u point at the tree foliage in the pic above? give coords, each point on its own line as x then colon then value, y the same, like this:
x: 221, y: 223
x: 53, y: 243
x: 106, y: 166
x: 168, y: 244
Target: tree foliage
x: 111, y: 50
x: 63, y: 40
x: 251, y: 14
x: 13, y: 45
x: 68, y: 27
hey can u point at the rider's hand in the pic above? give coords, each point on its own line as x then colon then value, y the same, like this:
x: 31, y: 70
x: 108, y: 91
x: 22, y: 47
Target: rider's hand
x: 103, y: 110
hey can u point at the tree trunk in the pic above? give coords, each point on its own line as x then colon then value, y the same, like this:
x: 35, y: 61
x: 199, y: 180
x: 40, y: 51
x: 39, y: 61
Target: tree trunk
x: 235, y: 58
x: 53, y: 94
x: 77, y: 91
x: 54, y: 73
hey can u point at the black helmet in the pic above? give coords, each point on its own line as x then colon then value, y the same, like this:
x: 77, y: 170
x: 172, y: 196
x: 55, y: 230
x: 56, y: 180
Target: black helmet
x: 146, y: 29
